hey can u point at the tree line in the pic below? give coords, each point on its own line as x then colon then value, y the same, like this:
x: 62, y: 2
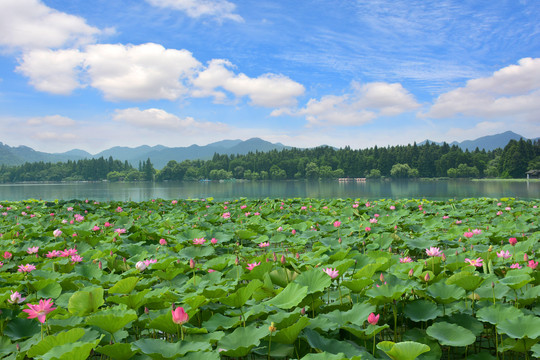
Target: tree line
x: 428, y: 160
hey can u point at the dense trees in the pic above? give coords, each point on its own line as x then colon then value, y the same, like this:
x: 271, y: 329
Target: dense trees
x: 427, y: 160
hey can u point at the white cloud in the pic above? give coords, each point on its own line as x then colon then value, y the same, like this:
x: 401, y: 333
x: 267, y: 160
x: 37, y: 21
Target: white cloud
x: 30, y: 24
x: 219, y: 9
x: 55, y: 137
x: 160, y: 119
x: 363, y: 105
x: 53, y: 71
x: 513, y: 91
x: 267, y: 90
x: 51, y: 120
x: 139, y: 72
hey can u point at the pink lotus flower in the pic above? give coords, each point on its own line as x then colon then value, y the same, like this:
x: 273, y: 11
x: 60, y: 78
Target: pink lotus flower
x: 504, y: 254
x: 211, y: 270
x: 373, y: 221
x: 477, y: 231
x: 140, y: 265
x: 333, y: 273
x: 57, y: 232
x: 433, y: 251
x: 337, y: 223
x: 200, y: 241
x: 532, y: 264
x: 33, y: 250
x: 26, y: 268
x: 76, y: 258
x: 368, y: 229
x: 68, y: 252
x: 512, y: 241
x: 468, y: 234
x: 179, y: 316
x: 515, y: 266
x: 373, y: 319
x: 253, y: 265
x: 107, y: 224
x: 7, y: 255
x: 15, y: 298
x: 264, y: 244
x: 474, y: 262
x: 162, y: 242
x: 213, y: 241
x: 392, y: 207
x: 405, y: 260
x: 445, y: 217
x: 293, y: 232
x: 458, y: 222
x: 499, y: 212
x: 53, y: 254
x: 427, y: 277
x: 96, y: 228
x: 120, y: 231
x: 40, y: 310
x: 226, y: 215
x: 355, y: 206
x: 119, y: 209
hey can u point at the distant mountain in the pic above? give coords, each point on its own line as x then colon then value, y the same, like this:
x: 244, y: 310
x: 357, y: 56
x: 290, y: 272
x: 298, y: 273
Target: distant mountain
x: 159, y: 155
x: 490, y: 142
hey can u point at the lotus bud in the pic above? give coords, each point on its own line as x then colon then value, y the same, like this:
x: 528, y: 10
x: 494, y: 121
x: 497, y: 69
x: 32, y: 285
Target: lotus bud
x: 274, y: 256
x: 426, y: 278
x: 146, y: 311
x: 443, y: 257
x: 525, y: 257
x: 381, y: 277
x: 100, y: 266
x: 492, y: 284
x: 18, y: 347
x: 282, y: 260
x: 272, y: 327
x: 490, y: 249
x: 111, y: 253
x: 297, y: 256
x: 411, y: 272
x: 303, y: 311
x: 191, y: 263
x: 339, y: 240
x: 124, y: 260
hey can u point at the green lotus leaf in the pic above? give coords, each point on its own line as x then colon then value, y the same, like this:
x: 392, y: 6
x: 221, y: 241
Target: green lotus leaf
x: 199, y: 355
x: 497, y: 313
x: 6, y: 347
x: 259, y: 271
x: 282, y: 277
x: 52, y: 290
x: 367, y: 271
x: 536, y: 350
x: 407, y: 350
x: 58, y: 339
x: 444, y: 293
x: 465, y: 280
x: 520, y: 327
x: 451, y: 334
x: 242, y: 295
x: 289, y: 334
x: 167, y: 350
x: 89, y: 271
x: 132, y: 301
x: 290, y: 297
x: 86, y: 301
x: 332, y: 346
x: 325, y: 356
x: 516, y: 281
x: 124, y: 286
x: 315, y: 279
x: 71, y: 351
x: 118, y: 351
x: 357, y: 285
x: 283, y: 319
x: 467, y: 321
x: 277, y: 350
x: 385, y: 294
x: 422, y: 310
x: 241, y: 340
x: 112, y: 320
x: 528, y: 296
x: 357, y: 315
x: 220, y: 322
x: 418, y: 335
x: 196, y: 252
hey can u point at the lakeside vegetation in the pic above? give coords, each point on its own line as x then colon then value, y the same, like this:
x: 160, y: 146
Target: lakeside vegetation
x: 276, y: 278
x: 412, y: 161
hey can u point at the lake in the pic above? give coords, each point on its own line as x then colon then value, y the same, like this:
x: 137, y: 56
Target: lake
x: 371, y: 189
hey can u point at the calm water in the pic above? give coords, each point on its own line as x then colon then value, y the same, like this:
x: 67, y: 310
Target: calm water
x: 442, y: 189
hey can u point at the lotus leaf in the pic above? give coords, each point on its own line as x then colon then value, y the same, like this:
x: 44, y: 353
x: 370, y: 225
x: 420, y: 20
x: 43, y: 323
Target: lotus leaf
x: 407, y: 350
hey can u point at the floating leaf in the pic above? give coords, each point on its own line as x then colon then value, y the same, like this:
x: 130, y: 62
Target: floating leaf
x: 496, y: 313
x: 72, y: 351
x: 291, y: 296
x: 289, y: 334
x: 50, y: 342
x: 241, y: 341
x: 169, y: 350
x: 315, y: 279
x: 242, y: 295
x: 118, y: 351
x: 520, y: 327
x: 445, y: 293
x: 124, y: 286
x: 465, y: 280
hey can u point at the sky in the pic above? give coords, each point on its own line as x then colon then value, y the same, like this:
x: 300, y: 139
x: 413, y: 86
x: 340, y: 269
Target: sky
x: 93, y: 74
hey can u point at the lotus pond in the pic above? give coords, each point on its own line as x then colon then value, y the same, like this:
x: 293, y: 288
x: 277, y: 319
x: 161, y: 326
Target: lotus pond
x: 273, y: 278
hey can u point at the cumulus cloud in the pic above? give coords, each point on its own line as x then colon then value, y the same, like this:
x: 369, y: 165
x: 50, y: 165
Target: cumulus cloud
x: 364, y: 104
x: 267, y: 90
x: 219, y: 9
x: 139, y: 72
x: 51, y: 120
x: 30, y: 24
x: 53, y: 71
x: 512, y: 91
x: 158, y: 118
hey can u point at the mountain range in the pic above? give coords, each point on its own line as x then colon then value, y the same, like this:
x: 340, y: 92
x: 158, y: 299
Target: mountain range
x: 160, y: 155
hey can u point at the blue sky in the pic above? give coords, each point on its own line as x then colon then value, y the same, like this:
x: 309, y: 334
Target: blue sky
x: 92, y: 74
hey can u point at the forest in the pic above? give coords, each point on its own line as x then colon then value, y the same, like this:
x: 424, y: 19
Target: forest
x: 428, y: 160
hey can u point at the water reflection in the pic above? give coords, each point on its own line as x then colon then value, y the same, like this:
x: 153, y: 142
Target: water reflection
x: 443, y: 189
